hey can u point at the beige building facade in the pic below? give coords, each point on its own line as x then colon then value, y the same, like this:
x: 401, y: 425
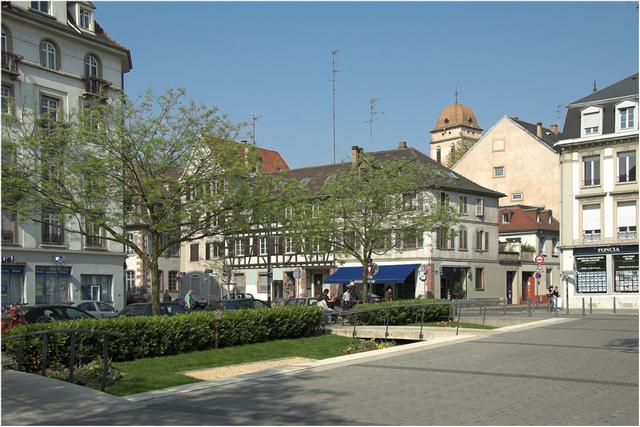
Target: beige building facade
x: 517, y: 159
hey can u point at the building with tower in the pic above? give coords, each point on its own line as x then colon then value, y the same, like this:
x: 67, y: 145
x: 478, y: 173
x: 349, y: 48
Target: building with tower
x: 455, y: 131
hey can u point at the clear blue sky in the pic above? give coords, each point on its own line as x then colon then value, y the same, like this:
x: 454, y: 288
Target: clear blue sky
x: 274, y: 59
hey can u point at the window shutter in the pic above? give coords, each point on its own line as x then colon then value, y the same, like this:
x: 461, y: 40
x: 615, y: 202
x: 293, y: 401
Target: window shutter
x: 486, y: 241
x: 207, y: 251
x: 627, y: 214
x: 591, y: 217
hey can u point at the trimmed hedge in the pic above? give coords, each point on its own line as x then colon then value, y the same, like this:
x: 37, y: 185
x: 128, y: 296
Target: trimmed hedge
x: 402, y: 315
x: 149, y: 336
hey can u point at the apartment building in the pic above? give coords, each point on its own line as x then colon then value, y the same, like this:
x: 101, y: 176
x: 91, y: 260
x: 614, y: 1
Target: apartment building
x: 56, y: 59
x: 599, y: 196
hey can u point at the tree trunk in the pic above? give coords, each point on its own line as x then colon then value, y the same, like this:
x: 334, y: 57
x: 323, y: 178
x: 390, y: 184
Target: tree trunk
x: 365, y: 283
x: 155, y: 285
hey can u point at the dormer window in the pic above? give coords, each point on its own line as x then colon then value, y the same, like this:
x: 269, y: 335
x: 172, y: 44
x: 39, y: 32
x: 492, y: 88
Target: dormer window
x: 41, y: 6
x: 85, y: 19
x: 626, y: 116
x: 591, y: 122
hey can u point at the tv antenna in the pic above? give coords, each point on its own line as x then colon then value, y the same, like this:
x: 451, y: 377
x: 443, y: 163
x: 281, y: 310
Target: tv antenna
x: 557, y: 110
x: 254, y: 119
x: 333, y: 81
x: 373, y: 113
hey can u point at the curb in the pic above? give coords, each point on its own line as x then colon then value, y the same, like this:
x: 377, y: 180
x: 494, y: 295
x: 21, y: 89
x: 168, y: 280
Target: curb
x: 167, y: 393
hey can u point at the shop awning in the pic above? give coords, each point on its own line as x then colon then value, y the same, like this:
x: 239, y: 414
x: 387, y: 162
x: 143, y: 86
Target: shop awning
x: 387, y: 274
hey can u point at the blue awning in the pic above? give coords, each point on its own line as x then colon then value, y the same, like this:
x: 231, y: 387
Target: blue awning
x: 387, y: 274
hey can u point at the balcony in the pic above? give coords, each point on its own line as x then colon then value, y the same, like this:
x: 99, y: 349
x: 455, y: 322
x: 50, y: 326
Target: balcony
x: 94, y: 86
x: 10, y: 63
x: 591, y: 236
x: 627, y: 235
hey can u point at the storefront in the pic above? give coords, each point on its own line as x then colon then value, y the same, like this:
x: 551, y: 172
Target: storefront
x: 606, y: 270
x: 52, y: 284
x: 400, y: 277
x: 12, y: 284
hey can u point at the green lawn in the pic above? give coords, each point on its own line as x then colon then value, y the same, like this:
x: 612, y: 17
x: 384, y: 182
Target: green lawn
x: 160, y: 372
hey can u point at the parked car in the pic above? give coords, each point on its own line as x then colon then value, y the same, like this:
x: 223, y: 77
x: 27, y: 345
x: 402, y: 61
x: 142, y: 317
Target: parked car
x: 301, y: 301
x: 97, y: 308
x: 144, y: 309
x: 49, y: 313
x: 238, y: 295
x: 238, y: 304
x: 373, y: 298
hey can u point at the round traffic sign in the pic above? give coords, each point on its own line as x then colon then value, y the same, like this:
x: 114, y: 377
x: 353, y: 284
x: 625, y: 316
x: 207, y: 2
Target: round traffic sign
x: 539, y: 259
x: 538, y: 275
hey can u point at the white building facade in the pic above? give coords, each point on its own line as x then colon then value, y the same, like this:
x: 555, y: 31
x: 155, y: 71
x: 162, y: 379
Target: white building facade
x: 56, y: 59
x: 599, y: 193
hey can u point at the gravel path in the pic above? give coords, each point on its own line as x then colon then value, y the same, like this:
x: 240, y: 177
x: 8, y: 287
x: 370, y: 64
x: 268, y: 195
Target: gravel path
x: 245, y: 368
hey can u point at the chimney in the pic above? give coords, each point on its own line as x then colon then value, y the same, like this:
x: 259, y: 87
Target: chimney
x: 402, y: 145
x: 554, y: 129
x: 355, y: 155
x: 539, y: 129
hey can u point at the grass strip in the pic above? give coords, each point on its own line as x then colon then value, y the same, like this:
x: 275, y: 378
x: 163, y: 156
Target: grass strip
x: 160, y: 372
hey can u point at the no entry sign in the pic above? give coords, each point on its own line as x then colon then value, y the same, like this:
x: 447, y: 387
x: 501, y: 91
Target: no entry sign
x: 539, y: 259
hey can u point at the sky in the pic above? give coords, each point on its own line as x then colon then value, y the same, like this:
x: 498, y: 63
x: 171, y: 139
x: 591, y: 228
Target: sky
x: 521, y: 59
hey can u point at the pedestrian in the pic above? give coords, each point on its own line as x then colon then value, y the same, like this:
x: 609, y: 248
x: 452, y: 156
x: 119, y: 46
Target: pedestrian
x: 388, y: 295
x: 554, y: 297
x: 188, y: 300
x: 550, y: 299
x: 327, y: 311
x: 166, y: 297
x: 346, y: 299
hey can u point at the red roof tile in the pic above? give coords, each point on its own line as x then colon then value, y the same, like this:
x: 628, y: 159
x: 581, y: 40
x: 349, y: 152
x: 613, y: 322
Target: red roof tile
x: 272, y: 161
x: 525, y: 219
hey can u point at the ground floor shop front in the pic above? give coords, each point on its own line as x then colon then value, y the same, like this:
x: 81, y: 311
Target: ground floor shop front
x: 54, y: 277
x: 602, y: 276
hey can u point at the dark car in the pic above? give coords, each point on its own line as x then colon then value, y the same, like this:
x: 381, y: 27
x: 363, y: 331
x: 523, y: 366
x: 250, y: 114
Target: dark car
x: 373, y: 298
x: 238, y: 304
x: 49, y: 313
x: 301, y: 301
x: 144, y: 309
x: 238, y: 295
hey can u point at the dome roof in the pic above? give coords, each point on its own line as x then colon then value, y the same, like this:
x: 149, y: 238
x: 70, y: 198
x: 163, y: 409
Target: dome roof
x: 456, y: 115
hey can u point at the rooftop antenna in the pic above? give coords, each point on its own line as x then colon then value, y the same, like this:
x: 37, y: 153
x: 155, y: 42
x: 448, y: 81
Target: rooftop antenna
x: 333, y: 81
x: 594, y: 85
x: 254, y: 119
x: 456, y: 94
x: 557, y: 110
x: 372, y: 117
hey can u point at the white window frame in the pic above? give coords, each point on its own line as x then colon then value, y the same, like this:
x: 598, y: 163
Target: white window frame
x: 82, y: 14
x: 288, y: 245
x: 506, y: 217
x: 622, y: 111
x: 130, y: 279
x: 479, y: 206
x: 48, y: 55
x: 238, y: 247
x: 91, y: 66
x: 498, y: 172
x: 38, y: 5
x: 627, y: 166
x: 463, y: 205
x: 263, y: 245
x: 591, y: 121
x: 588, y: 163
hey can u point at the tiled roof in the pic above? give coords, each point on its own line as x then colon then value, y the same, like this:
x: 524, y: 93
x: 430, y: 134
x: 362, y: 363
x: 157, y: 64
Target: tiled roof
x: 446, y: 178
x: 272, y: 161
x: 625, y: 87
x: 524, y: 218
x: 548, y: 137
x: 456, y: 115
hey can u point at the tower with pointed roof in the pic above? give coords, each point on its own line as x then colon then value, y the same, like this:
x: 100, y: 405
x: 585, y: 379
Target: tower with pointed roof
x: 456, y: 128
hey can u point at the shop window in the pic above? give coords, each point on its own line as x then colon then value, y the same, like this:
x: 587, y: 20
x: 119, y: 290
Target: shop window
x: 592, y: 274
x: 626, y: 273
x: 52, y: 284
x: 12, y: 284
x: 96, y: 287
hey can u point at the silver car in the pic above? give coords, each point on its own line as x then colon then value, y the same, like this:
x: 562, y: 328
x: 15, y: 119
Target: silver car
x: 97, y: 308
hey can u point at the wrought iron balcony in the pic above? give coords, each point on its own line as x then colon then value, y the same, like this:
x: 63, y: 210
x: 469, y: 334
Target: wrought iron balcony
x: 96, y: 87
x: 10, y: 62
x: 590, y: 237
x: 627, y: 235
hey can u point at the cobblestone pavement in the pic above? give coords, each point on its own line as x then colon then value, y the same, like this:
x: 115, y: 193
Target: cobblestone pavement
x: 580, y: 372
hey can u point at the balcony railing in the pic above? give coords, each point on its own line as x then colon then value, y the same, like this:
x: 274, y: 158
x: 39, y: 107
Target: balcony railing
x: 96, y: 87
x: 626, y: 178
x: 590, y: 237
x: 627, y: 235
x: 10, y: 62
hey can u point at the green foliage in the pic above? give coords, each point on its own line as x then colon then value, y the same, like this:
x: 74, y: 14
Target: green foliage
x: 401, y: 315
x: 368, y: 345
x: 89, y: 374
x: 148, y: 336
x: 458, y: 150
x: 526, y: 247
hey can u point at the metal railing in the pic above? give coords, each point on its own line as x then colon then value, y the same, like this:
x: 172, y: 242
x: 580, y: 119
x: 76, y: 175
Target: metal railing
x: 10, y: 62
x: 72, y: 348
x: 455, y: 309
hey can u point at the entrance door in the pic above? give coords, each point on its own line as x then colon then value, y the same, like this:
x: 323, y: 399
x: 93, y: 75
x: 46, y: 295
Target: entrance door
x: 317, y: 284
x: 95, y: 293
x: 525, y: 290
x: 510, y: 276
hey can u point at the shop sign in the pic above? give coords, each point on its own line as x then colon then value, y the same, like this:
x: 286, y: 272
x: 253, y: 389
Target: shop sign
x: 9, y: 259
x: 606, y: 250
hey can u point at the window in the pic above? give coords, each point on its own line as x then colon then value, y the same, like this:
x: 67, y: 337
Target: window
x: 591, y: 119
x: 479, y: 279
x: 591, y: 168
x: 263, y: 283
x: 52, y: 284
x: 127, y: 249
x: 96, y: 287
x: 626, y: 213
x: 439, y: 155
x: 263, y: 245
x: 288, y: 212
x: 52, y: 228
x: 543, y: 246
x: 554, y: 244
x: 445, y: 238
x: 498, y: 171
x: 516, y: 196
x: 213, y: 250
x: 94, y: 235
x: 9, y: 225
x: 130, y: 279
x: 462, y: 238
x: 238, y: 247
x: 627, y: 117
x: 482, y: 241
x: 288, y: 245
x: 48, y: 55
x: 49, y: 108
x: 194, y: 252
x: 591, y: 222
x: 444, y: 200
x: 409, y: 201
x: 410, y: 239
x: 91, y: 66
x: 173, y: 281
x: 85, y: 19
x: 462, y: 205
x: 7, y: 99
x: 479, y: 207
x: 42, y: 6
x: 626, y: 273
x: 627, y: 166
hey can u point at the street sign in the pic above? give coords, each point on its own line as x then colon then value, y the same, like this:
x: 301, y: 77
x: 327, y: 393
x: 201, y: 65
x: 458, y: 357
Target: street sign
x: 539, y: 267
x: 538, y: 275
x: 58, y: 259
x: 372, y: 269
x: 10, y: 259
x: 539, y: 259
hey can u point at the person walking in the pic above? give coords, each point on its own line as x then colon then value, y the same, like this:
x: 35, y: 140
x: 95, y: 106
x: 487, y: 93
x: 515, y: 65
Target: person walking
x: 554, y: 298
x: 346, y: 299
x: 166, y: 297
x: 188, y: 300
x: 550, y: 305
x: 388, y: 295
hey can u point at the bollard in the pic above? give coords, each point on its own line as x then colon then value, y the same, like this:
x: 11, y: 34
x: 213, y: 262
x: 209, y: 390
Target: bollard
x: 459, y: 314
x: 555, y: 310
x: 614, y: 304
x: 484, y: 314
x: 529, y: 307
x: 504, y: 308
x: 583, y: 313
x: 590, y: 306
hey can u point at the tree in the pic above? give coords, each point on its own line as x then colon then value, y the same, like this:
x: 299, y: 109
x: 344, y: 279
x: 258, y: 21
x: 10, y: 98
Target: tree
x: 458, y: 150
x: 161, y: 166
x: 372, y: 208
